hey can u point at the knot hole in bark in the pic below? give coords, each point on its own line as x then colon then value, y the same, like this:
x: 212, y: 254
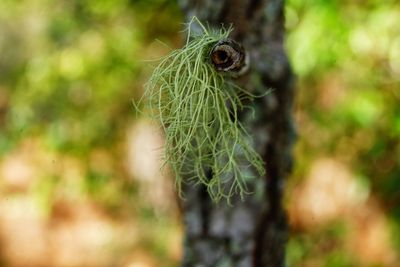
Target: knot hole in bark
x: 228, y: 55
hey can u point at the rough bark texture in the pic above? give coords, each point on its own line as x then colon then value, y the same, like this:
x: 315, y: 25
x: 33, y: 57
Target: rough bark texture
x: 252, y: 232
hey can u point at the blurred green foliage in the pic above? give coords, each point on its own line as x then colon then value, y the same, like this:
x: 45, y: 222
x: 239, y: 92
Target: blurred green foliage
x: 69, y: 70
x: 347, y: 58
x: 69, y: 67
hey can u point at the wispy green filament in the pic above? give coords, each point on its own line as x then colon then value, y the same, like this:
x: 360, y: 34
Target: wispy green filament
x: 197, y: 108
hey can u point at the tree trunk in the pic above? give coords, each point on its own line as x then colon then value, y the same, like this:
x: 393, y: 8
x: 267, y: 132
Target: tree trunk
x: 253, y: 231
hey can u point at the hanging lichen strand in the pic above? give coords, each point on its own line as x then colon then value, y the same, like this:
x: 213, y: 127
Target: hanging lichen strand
x: 198, y: 107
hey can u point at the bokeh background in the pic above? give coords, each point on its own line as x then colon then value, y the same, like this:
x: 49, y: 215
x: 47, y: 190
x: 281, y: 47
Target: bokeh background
x: 79, y: 179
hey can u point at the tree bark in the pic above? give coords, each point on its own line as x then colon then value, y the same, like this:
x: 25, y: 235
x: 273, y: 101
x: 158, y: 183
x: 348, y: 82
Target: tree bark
x: 252, y: 231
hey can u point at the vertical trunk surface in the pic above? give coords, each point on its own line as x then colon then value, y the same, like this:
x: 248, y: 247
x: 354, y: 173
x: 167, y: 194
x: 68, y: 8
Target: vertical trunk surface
x: 252, y: 232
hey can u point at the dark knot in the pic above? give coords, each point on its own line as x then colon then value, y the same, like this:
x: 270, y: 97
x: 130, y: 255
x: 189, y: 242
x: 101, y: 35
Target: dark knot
x: 228, y: 55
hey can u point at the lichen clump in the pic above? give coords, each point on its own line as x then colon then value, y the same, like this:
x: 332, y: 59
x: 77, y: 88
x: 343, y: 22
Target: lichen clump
x: 198, y: 107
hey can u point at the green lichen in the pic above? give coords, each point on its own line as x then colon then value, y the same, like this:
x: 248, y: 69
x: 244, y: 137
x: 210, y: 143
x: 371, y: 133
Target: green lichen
x: 198, y: 108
